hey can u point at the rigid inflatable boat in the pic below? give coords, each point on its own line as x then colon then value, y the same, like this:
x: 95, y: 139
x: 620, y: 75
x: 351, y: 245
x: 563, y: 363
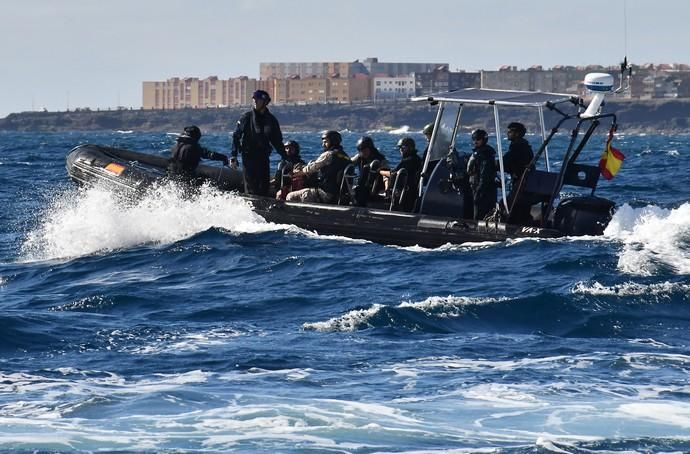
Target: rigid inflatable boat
x: 441, y: 213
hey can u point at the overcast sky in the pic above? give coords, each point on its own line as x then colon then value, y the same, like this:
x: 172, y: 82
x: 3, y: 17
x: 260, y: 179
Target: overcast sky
x: 91, y: 53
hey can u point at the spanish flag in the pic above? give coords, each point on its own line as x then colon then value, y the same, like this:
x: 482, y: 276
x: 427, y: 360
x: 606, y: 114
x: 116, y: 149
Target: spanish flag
x: 611, y: 159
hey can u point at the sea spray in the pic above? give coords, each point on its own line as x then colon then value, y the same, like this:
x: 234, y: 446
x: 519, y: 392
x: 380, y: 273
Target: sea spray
x: 654, y: 239
x: 92, y: 220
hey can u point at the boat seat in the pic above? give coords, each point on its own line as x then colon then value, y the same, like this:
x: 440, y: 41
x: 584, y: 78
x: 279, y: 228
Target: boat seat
x: 346, y: 196
x: 540, y: 185
x: 583, y: 176
x: 399, y: 189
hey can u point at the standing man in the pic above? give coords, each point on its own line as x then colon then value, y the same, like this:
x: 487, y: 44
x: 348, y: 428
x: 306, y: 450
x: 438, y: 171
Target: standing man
x: 516, y: 161
x: 481, y: 169
x: 257, y: 130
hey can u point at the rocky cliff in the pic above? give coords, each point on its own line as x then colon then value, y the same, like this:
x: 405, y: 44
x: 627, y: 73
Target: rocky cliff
x: 640, y: 116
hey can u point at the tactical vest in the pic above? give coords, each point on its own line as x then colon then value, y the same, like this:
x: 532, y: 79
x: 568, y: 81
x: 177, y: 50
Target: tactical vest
x: 330, y: 177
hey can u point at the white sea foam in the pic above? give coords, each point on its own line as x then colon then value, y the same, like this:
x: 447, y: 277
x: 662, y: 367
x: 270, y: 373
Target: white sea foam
x: 629, y: 289
x: 502, y: 395
x: 204, y: 411
x: 469, y: 246
x: 448, y: 306
x: 653, y: 238
x: 454, y: 364
x: 92, y: 220
x: 401, y: 130
x: 671, y: 413
x: 350, y: 321
x: 182, y: 341
x: 311, y: 234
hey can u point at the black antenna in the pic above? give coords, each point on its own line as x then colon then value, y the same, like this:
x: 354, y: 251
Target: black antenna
x: 625, y: 28
x: 624, y: 64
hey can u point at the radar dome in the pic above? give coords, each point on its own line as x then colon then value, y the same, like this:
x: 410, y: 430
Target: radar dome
x: 599, y: 82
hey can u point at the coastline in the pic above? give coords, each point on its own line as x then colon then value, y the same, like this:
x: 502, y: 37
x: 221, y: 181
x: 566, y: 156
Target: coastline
x: 634, y: 116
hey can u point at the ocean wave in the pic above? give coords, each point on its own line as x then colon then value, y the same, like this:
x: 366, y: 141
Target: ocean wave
x: 378, y: 315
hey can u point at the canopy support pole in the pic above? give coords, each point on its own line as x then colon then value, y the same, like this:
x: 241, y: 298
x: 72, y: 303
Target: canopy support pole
x: 500, y: 159
x: 543, y: 138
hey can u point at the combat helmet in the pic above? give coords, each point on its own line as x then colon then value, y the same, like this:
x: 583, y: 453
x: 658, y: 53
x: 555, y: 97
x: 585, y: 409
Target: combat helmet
x: 333, y: 137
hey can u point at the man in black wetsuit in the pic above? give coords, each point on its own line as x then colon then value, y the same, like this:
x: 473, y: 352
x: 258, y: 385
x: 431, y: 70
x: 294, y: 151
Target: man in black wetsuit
x: 257, y: 130
x: 367, y: 156
x: 516, y: 161
x: 412, y: 163
x: 186, y: 154
x: 481, y: 169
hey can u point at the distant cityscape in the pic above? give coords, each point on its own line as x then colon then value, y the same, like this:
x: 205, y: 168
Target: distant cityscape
x: 380, y: 82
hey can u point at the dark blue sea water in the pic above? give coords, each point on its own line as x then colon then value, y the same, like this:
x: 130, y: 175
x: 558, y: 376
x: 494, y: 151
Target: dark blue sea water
x: 186, y: 325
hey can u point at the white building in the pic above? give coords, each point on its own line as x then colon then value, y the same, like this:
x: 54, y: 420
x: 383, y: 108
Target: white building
x: 391, y: 89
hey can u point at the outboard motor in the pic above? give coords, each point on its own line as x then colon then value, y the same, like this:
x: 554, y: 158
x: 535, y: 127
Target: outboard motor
x: 599, y: 84
x: 583, y: 215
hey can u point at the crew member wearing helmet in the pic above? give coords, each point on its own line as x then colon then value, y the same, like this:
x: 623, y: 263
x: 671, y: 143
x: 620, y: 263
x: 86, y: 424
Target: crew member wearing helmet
x: 367, y: 152
x: 516, y: 161
x: 324, y: 174
x: 257, y: 130
x: 369, y: 160
x: 186, y: 154
x: 481, y: 169
x: 412, y: 163
x: 428, y: 130
x: 292, y: 162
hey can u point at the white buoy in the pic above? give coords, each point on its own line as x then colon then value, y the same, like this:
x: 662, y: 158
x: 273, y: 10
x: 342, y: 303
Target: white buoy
x: 598, y: 84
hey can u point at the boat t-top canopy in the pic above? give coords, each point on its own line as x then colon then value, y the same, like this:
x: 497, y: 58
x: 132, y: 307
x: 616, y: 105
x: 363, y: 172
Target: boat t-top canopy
x: 451, y: 104
x: 499, y: 97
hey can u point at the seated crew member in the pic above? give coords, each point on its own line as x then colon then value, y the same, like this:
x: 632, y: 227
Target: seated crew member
x: 481, y: 169
x: 367, y: 154
x: 186, y: 154
x: 324, y: 174
x: 283, y: 178
x: 412, y: 163
x: 516, y: 160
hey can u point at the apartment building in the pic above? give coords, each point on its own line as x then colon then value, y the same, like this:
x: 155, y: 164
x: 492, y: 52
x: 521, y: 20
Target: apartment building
x: 311, y: 90
x: 190, y: 92
x: 376, y: 68
x: 349, y: 89
x: 178, y: 93
x: 278, y: 70
x: 442, y: 79
x: 392, y: 89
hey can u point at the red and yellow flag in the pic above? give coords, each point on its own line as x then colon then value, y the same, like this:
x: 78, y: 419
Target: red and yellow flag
x: 611, y: 159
